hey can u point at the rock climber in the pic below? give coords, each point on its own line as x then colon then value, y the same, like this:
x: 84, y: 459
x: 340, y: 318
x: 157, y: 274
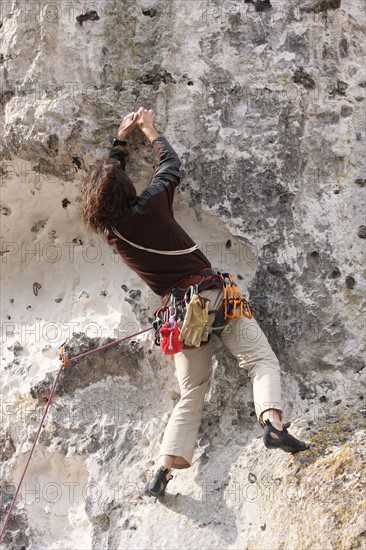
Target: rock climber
x: 142, y: 229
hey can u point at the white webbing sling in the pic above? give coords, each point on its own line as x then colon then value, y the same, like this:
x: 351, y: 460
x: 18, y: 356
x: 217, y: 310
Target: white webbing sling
x: 164, y: 252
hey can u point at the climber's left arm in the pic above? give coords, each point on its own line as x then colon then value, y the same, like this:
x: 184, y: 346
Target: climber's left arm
x: 127, y: 125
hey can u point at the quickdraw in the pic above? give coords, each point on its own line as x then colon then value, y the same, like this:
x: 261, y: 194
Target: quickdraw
x: 234, y: 303
x: 190, y: 292
x: 161, y: 316
x: 62, y: 356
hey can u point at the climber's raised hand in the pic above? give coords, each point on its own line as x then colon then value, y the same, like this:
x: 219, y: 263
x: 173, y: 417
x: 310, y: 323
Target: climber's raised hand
x: 127, y: 125
x: 145, y: 121
x: 145, y: 118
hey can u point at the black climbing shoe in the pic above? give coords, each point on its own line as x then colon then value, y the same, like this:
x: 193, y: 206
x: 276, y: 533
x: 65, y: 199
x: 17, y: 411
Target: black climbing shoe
x: 157, y: 485
x: 281, y: 439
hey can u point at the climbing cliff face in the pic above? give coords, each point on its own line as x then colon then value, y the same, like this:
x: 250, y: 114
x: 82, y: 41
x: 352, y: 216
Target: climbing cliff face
x: 264, y: 101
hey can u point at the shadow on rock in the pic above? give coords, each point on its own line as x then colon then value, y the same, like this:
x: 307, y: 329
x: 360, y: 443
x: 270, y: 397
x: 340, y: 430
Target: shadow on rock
x: 119, y: 360
x: 212, y: 514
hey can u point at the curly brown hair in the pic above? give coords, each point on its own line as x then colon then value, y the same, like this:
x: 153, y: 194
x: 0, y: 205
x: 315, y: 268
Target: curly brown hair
x: 108, y: 193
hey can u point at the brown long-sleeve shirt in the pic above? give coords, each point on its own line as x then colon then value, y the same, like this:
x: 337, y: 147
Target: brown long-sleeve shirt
x: 151, y: 224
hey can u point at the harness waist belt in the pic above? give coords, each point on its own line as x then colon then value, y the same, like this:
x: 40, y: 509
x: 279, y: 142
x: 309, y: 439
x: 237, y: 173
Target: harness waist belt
x: 204, y: 279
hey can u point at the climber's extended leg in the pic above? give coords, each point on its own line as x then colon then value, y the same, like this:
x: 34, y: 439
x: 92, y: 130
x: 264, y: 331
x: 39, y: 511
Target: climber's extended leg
x: 193, y: 370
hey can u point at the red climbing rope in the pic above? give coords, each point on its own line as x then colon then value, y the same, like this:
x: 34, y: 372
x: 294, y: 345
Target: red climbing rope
x: 64, y: 363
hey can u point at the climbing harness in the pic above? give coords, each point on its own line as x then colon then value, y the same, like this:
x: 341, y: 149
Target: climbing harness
x: 184, y: 304
x: 64, y: 363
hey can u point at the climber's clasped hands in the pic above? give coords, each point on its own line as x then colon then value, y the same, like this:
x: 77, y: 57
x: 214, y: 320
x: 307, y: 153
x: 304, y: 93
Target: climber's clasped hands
x: 142, y: 118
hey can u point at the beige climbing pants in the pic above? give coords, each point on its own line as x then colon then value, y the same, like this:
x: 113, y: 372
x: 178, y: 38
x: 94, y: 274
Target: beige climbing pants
x: 244, y: 339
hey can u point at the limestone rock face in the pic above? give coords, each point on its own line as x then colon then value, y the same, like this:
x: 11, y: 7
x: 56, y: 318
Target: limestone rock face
x: 264, y: 101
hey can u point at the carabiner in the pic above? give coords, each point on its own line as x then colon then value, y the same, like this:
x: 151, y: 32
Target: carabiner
x: 246, y: 309
x: 62, y: 356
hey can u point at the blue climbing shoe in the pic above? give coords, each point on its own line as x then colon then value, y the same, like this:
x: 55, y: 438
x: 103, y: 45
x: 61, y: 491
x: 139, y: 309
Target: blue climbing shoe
x: 281, y: 439
x: 157, y: 485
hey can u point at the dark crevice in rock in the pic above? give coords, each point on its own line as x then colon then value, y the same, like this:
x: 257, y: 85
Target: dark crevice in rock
x: 77, y: 162
x: 156, y: 77
x: 275, y: 269
x: 102, y: 520
x: 6, y: 96
x: 7, y: 445
x: 52, y: 144
x: 285, y: 197
x: 350, y: 282
x: 134, y: 296
x: 343, y: 47
x: 362, y: 232
x: 260, y: 5
x: 346, y: 111
x: 361, y: 182
x: 303, y: 78
x: 5, y: 210
x: 37, y: 226
x: 335, y: 273
x: 36, y: 288
x: 318, y: 6
x: 339, y: 89
x: 91, y: 15
x: 149, y: 12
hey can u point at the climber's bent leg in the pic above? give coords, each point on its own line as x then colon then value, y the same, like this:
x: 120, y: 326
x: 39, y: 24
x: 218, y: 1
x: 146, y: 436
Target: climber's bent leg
x: 245, y: 339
